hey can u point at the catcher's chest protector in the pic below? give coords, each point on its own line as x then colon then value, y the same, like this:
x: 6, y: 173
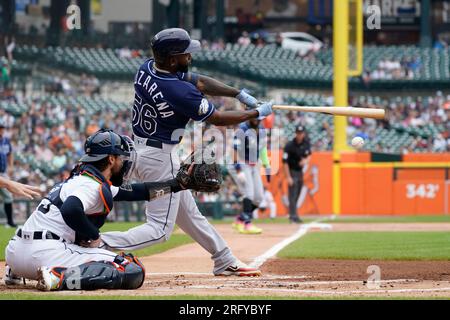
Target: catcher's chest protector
x: 90, y: 171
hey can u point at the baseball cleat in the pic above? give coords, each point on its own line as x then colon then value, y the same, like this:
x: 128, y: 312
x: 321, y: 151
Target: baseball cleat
x: 240, y: 269
x: 295, y: 220
x: 48, y: 280
x: 249, y: 228
x: 10, y: 279
x: 238, y: 225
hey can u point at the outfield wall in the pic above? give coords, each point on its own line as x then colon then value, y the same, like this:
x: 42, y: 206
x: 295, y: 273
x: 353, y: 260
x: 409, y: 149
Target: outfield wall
x: 418, y: 184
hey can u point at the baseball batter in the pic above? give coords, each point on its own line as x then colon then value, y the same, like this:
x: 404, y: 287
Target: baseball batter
x: 251, y: 147
x: 167, y: 96
x: 58, y: 244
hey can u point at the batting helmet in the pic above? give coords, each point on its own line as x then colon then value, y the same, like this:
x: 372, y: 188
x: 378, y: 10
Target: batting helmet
x: 104, y: 143
x: 173, y: 41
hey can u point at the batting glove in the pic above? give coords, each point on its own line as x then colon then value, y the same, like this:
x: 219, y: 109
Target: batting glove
x: 265, y: 109
x: 247, y: 99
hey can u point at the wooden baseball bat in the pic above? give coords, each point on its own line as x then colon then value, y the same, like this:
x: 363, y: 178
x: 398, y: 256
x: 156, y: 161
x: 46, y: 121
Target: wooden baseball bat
x: 337, y: 111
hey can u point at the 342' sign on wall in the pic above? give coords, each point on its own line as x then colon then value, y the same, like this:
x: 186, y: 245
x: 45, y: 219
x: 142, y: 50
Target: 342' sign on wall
x: 424, y: 191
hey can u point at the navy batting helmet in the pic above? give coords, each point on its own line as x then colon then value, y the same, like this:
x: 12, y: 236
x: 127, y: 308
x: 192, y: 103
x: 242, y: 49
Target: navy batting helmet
x: 173, y: 41
x: 104, y: 143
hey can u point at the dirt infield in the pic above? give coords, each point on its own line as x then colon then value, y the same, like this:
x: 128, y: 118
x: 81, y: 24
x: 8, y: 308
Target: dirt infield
x: 188, y: 270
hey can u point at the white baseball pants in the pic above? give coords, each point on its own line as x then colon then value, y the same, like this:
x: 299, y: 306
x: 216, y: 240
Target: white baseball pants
x: 154, y: 164
x: 25, y: 256
x: 253, y: 189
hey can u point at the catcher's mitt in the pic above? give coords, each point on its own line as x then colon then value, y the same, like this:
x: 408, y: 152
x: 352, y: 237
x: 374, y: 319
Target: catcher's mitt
x: 201, y: 177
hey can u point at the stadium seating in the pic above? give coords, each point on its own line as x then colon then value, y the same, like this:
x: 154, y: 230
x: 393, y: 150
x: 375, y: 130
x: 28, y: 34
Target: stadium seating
x: 90, y: 105
x: 103, y: 63
x: 277, y: 66
x: 269, y: 64
x: 20, y: 68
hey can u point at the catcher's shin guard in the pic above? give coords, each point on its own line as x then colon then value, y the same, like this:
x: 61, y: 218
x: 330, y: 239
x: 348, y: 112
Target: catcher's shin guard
x: 120, y: 274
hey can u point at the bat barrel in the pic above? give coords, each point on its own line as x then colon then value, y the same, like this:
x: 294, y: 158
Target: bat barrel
x: 374, y: 113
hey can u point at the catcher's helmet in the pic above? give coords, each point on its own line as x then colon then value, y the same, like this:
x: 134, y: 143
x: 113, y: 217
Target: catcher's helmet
x: 173, y: 41
x: 104, y: 143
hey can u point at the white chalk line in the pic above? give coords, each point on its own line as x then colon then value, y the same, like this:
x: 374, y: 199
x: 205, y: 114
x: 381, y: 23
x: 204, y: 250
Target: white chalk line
x: 258, y: 261
x: 351, y: 282
x: 180, y: 275
x: 334, y: 292
x: 238, y: 282
x: 304, y: 228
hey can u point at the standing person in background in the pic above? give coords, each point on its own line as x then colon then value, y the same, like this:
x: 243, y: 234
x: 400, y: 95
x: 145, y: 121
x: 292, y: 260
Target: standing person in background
x: 6, y: 166
x: 296, y: 155
x: 244, y: 39
x: 10, y: 45
x: 5, y: 72
x: 251, y: 150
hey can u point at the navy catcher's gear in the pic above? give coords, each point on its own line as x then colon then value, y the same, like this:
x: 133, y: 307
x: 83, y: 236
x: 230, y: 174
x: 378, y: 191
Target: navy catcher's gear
x: 126, y: 272
x: 104, y: 143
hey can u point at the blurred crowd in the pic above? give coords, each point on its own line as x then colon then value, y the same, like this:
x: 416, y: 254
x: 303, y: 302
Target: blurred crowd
x: 263, y: 38
x: 6, y: 59
x: 59, y: 82
x: 389, y: 69
x: 416, y: 112
x: 54, y: 134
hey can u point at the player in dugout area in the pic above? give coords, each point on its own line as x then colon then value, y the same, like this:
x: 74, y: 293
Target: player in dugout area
x: 58, y: 244
x: 250, y: 149
x: 167, y: 97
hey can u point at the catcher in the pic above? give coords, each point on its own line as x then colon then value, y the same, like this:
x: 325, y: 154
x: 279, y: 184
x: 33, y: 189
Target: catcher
x: 58, y: 244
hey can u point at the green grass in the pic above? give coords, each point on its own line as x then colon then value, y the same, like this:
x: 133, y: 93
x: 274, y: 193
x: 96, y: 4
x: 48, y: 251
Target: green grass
x: 119, y: 226
x: 5, y: 235
x: 371, y: 246
x: 61, y: 296
x: 174, y: 241
x: 388, y: 219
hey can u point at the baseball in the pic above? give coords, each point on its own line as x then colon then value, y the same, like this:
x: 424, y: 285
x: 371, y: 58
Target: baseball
x: 357, y: 142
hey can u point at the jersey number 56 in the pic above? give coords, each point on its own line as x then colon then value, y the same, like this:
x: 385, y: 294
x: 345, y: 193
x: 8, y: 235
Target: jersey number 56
x: 144, y: 116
